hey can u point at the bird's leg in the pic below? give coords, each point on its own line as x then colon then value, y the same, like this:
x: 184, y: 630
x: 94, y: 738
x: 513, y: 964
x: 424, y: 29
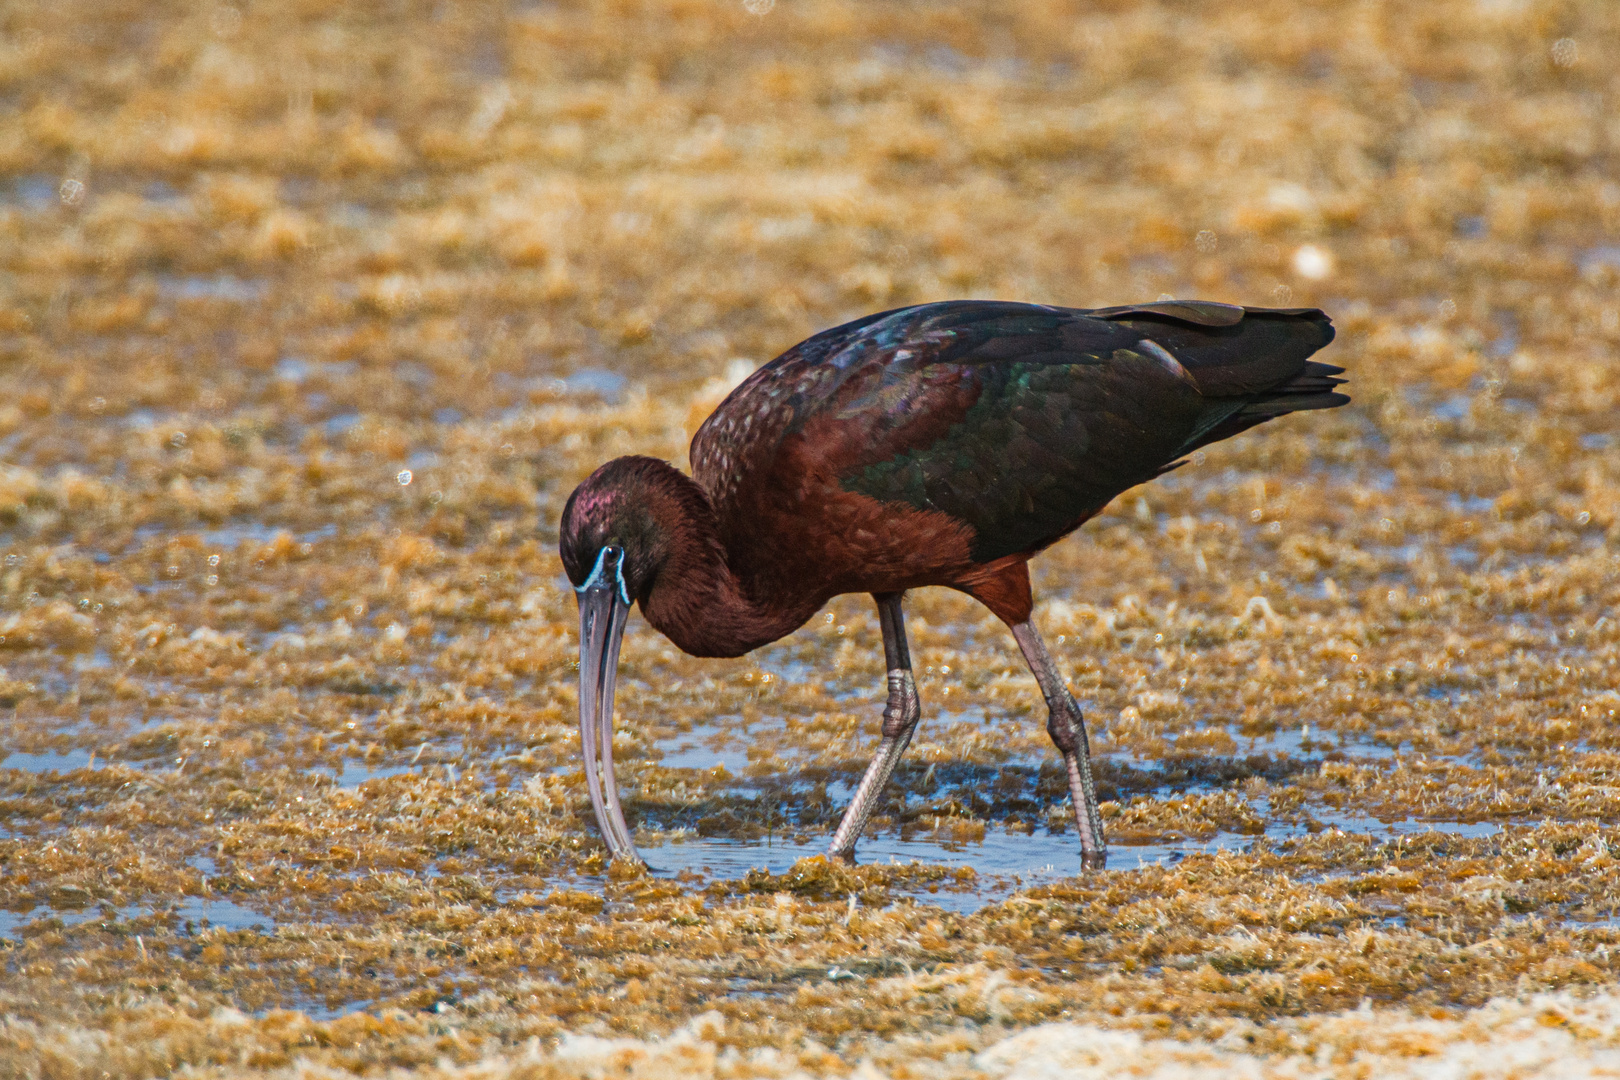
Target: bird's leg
x: 899, y: 721
x: 1068, y: 731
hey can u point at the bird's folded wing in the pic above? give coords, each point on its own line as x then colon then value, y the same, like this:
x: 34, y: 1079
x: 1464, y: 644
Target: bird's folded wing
x: 1018, y: 420
x: 1019, y: 449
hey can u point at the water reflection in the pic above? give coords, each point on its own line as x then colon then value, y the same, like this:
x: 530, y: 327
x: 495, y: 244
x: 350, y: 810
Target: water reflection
x: 1007, y: 856
x: 1003, y: 862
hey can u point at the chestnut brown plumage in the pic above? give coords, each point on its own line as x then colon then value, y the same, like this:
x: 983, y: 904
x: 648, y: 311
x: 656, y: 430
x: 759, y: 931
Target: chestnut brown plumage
x: 943, y: 444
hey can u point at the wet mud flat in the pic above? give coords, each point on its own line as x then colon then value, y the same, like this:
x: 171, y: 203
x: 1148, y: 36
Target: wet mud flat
x: 310, y: 320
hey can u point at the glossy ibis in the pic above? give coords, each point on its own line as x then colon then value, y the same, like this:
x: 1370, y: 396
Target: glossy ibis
x: 943, y: 444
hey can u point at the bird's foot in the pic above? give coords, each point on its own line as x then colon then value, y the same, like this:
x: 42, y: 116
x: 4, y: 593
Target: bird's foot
x: 1093, y: 860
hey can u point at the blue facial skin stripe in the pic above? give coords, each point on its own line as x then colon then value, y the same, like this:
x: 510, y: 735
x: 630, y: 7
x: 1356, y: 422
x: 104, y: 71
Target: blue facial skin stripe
x: 596, y: 574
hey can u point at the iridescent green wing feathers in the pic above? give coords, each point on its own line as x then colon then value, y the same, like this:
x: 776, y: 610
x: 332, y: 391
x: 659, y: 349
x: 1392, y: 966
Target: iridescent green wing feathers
x: 1018, y: 420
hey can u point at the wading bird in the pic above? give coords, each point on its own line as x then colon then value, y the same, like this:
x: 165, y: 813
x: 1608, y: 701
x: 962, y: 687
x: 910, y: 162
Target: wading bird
x: 943, y: 444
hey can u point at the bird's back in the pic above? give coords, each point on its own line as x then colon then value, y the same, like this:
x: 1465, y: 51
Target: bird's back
x: 1010, y: 424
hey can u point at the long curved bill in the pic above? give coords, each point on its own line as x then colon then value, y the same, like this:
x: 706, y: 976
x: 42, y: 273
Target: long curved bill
x: 603, y: 608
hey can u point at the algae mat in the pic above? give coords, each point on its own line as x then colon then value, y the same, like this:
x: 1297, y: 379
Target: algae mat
x: 311, y: 316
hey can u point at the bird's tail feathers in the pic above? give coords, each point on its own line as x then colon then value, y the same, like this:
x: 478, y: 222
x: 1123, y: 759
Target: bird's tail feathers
x: 1312, y: 388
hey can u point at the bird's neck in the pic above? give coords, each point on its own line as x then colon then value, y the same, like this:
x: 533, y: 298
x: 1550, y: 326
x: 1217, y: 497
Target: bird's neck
x: 698, y: 600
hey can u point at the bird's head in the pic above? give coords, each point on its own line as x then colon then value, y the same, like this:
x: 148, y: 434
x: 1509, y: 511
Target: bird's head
x: 615, y: 540
x: 612, y: 532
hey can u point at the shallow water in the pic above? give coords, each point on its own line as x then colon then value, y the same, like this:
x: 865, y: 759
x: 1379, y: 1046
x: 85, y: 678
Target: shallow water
x: 201, y: 912
x: 722, y: 740
x: 1304, y: 744
x: 1004, y: 860
x: 64, y: 762
x: 355, y: 773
